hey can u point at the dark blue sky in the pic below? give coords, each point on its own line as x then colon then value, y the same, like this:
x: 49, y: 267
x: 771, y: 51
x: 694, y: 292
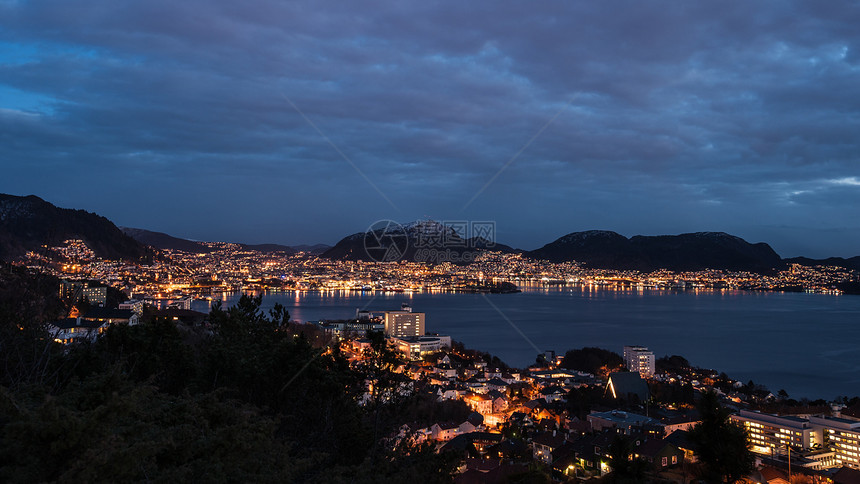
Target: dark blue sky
x: 300, y: 122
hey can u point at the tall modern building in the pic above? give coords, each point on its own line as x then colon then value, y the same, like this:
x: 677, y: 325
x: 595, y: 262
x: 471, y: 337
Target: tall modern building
x: 640, y: 360
x: 75, y: 290
x: 401, y: 324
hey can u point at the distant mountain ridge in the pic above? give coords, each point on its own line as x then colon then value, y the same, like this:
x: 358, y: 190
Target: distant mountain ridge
x: 601, y: 249
x: 269, y: 248
x: 849, y: 263
x: 313, y: 249
x: 160, y: 240
x: 28, y: 223
x: 421, y: 241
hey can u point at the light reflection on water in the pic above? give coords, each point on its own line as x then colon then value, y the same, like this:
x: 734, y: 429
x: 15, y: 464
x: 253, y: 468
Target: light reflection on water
x: 807, y: 344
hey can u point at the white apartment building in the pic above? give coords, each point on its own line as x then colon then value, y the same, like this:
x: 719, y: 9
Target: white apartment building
x: 639, y: 359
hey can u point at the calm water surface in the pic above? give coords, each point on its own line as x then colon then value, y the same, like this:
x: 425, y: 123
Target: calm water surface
x: 807, y: 344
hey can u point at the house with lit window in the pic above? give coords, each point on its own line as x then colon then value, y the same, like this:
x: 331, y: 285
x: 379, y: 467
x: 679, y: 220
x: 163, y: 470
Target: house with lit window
x: 681, y: 440
x: 477, y: 385
x: 591, y: 451
x: 553, y: 393
x: 622, y: 422
x: 448, y: 392
x: 498, y: 384
x: 75, y: 330
x: 479, y: 402
x: 448, y: 430
x: 414, y: 433
x: 112, y: 316
x: 660, y: 453
x: 444, y: 430
x: 545, y: 443
x: 500, y: 401
x: 445, y: 370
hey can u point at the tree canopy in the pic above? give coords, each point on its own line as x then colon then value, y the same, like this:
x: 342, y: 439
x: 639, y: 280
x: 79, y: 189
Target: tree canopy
x: 245, y: 397
x: 723, y: 449
x: 625, y: 469
x: 592, y: 360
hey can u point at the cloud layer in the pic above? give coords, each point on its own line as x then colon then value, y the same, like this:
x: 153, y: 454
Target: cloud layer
x: 299, y: 122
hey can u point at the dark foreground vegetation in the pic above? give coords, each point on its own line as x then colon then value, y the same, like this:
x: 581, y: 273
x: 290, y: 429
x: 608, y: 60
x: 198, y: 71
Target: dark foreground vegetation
x: 245, y: 398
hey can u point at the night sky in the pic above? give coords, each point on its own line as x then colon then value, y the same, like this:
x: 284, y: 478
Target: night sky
x: 302, y: 122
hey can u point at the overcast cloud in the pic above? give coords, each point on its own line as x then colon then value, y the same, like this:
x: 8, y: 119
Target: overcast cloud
x: 671, y: 116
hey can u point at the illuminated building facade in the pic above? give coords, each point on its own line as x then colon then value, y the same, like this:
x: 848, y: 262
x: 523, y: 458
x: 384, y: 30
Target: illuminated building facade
x: 354, y: 328
x: 843, y: 436
x: 639, y: 359
x: 402, y: 324
x: 837, y: 438
x: 771, y: 433
x: 416, y: 347
x: 74, y: 290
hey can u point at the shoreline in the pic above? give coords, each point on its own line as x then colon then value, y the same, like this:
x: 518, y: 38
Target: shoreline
x: 714, y: 329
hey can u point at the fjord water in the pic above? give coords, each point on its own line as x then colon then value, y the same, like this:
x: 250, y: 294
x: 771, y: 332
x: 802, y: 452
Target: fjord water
x: 807, y: 344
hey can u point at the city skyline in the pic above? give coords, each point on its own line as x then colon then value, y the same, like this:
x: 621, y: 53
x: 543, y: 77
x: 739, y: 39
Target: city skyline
x: 304, y: 123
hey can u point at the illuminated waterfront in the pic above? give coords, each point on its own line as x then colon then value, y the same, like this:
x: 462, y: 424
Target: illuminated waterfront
x: 807, y: 344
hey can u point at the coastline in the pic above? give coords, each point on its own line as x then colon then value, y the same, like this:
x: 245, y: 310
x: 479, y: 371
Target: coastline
x: 714, y: 329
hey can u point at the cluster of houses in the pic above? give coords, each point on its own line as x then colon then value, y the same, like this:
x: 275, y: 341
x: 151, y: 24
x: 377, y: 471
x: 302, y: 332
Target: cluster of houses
x: 81, y: 327
x: 521, y: 417
x: 96, y: 317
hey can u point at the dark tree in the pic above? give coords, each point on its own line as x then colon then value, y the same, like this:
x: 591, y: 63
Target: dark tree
x: 672, y: 363
x: 592, y: 360
x: 108, y: 429
x: 385, y: 387
x: 624, y: 468
x: 672, y: 393
x: 244, y: 399
x: 115, y: 297
x: 279, y: 315
x: 152, y: 352
x: 580, y: 401
x: 27, y: 352
x: 723, y: 447
x: 83, y: 305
